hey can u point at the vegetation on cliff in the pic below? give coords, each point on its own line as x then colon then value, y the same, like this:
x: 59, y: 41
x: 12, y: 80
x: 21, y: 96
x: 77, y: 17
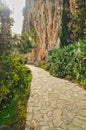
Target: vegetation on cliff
x: 69, y: 61
x: 65, y: 31
x: 77, y: 23
x: 73, y: 23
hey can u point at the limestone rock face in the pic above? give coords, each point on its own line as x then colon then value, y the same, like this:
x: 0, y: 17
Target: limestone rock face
x: 45, y: 17
x: 72, y: 6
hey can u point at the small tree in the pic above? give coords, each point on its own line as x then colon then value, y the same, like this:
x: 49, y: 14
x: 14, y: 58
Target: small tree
x: 65, y: 32
x: 27, y: 42
x: 5, y: 28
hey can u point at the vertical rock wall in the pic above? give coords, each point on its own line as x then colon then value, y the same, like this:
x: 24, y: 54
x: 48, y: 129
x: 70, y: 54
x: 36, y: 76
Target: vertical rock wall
x: 45, y: 17
x: 72, y: 6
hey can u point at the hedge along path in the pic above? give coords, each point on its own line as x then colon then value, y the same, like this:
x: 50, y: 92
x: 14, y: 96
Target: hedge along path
x: 55, y: 104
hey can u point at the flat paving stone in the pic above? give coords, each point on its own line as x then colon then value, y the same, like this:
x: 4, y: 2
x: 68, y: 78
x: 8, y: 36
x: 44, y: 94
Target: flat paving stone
x: 54, y: 103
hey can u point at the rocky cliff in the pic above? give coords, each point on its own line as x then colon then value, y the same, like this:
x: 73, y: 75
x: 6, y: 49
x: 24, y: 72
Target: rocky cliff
x: 72, y: 6
x: 45, y: 17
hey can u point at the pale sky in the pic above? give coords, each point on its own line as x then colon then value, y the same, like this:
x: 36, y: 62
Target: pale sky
x: 16, y: 6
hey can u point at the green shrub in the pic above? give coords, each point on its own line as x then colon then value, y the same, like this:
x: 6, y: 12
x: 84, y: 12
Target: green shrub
x: 23, y: 59
x: 69, y: 62
x: 14, y: 78
x: 43, y: 65
x: 27, y: 42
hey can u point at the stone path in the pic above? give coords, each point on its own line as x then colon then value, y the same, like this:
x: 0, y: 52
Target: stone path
x: 55, y: 104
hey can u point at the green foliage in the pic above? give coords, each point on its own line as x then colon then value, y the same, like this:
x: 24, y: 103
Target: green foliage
x: 27, y: 42
x: 69, y: 62
x: 43, y: 65
x: 13, y: 78
x: 73, y: 24
x: 5, y: 29
x: 65, y: 32
x: 23, y: 59
x: 78, y: 21
x: 7, y: 115
x: 15, y: 81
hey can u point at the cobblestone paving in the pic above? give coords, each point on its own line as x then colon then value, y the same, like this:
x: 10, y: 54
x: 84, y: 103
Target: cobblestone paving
x: 55, y: 104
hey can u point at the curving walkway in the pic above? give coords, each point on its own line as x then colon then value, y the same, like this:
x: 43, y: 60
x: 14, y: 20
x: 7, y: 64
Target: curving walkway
x: 55, y: 104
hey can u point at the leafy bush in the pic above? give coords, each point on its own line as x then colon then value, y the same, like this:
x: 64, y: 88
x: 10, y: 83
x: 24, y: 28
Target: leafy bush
x: 23, y: 59
x: 42, y: 65
x: 69, y: 62
x: 14, y: 78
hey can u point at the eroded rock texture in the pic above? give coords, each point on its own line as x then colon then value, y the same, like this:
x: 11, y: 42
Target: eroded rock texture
x: 45, y: 17
x: 72, y: 6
